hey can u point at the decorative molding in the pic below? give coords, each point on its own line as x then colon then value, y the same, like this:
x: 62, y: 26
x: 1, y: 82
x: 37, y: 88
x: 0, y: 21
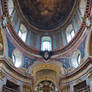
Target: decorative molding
x: 47, y: 66
x: 55, y: 52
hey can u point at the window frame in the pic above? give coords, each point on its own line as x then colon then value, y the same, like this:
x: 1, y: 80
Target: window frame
x: 43, y: 39
x: 22, y: 32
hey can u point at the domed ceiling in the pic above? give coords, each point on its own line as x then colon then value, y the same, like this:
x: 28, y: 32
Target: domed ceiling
x: 46, y: 14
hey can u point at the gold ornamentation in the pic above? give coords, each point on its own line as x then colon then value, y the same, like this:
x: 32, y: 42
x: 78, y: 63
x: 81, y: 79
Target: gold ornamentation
x: 47, y: 66
x: 49, y: 79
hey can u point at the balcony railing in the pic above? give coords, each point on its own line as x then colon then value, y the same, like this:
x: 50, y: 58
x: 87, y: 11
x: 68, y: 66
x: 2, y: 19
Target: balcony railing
x: 85, y: 89
x: 6, y: 89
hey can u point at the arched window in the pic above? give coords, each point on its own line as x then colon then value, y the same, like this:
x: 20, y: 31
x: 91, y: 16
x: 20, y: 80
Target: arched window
x: 17, y: 58
x: 46, y: 43
x: 70, y: 33
x: 10, y: 6
x: 22, y: 32
x: 76, y: 58
x: 87, y: 21
x: 82, y: 7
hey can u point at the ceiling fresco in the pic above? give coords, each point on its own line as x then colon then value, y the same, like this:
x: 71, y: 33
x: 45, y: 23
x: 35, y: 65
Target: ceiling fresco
x: 46, y: 14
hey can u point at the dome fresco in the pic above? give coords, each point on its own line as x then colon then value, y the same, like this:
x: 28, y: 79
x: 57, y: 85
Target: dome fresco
x: 46, y: 14
x: 46, y: 45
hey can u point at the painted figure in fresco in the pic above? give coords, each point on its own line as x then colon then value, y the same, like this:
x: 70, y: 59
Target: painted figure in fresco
x: 47, y: 7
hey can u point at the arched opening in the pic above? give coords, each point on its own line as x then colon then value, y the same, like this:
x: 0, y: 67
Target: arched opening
x: 46, y: 43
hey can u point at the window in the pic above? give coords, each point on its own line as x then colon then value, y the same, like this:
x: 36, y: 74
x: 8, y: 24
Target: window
x: 17, y: 58
x: 87, y: 21
x: 46, y: 43
x: 22, y: 32
x: 82, y: 7
x: 70, y: 33
x: 10, y: 6
x: 76, y: 58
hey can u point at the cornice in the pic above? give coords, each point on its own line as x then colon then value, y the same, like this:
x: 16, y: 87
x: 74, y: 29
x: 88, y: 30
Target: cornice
x: 14, y: 72
x: 84, y: 69
x: 55, y: 52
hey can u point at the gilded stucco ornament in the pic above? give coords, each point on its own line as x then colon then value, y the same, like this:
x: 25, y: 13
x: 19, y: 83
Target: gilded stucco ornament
x: 47, y: 66
x: 46, y: 54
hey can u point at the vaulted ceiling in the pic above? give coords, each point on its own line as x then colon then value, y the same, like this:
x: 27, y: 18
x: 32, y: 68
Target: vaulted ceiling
x: 46, y: 14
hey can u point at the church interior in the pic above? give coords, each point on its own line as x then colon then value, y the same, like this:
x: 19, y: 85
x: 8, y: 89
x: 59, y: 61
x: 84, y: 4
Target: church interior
x: 45, y: 45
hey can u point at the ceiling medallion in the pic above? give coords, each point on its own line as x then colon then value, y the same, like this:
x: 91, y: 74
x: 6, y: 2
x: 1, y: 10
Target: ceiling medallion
x: 46, y: 54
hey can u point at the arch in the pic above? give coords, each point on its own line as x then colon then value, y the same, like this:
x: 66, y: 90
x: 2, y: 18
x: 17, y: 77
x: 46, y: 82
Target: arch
x: 49, y: 79
x: 46, y: 43
x: 17, y: 58
x: 47, y: 66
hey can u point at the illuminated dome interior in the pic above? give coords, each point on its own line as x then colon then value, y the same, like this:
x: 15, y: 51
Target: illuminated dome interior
x: 46, y: 14
x: 45, y: 45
